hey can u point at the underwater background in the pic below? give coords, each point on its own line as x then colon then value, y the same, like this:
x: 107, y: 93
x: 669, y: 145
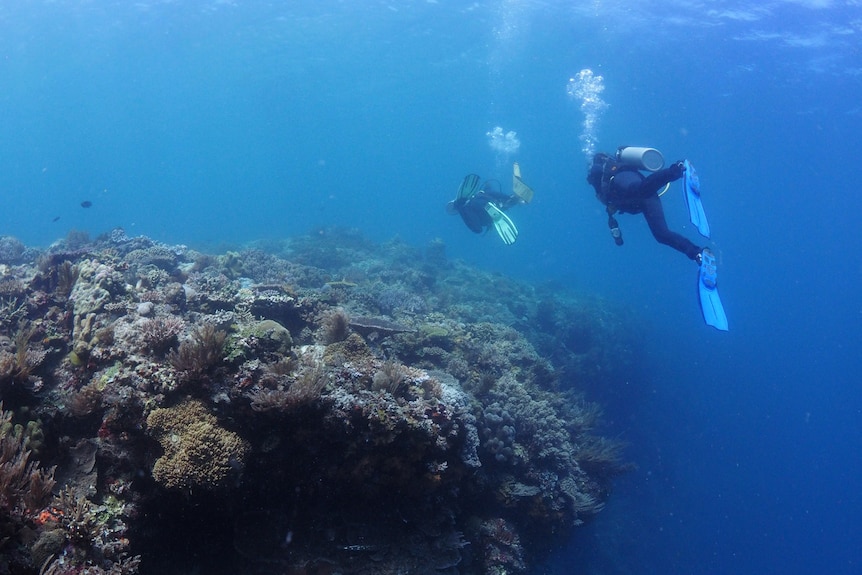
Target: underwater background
x: 212, y: 124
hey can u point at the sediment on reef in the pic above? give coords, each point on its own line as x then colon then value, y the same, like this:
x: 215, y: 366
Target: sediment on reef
x: 322, y: 404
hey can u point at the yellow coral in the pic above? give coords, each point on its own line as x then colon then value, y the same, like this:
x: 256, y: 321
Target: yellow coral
x: 198, y: 452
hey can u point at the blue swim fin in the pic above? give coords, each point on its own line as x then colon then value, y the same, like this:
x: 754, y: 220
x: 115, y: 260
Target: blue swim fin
x: 707, y: 291
x: 691, y: 187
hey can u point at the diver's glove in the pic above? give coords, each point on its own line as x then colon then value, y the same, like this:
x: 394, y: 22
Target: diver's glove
x: 678, y: 169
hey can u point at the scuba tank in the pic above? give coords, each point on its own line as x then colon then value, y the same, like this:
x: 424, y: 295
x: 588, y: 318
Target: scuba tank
x: 603, y: 167
x: 648, y: 159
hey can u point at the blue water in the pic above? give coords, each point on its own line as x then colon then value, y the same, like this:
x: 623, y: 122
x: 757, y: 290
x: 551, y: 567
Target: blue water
x: 214, y: 123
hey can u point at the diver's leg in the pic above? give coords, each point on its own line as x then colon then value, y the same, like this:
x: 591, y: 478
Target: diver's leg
x: 654, y: 214
x: 657, y: 180
x: 508, y: 201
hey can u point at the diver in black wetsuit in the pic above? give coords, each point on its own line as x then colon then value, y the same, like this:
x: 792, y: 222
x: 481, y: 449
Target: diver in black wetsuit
x: 482, y: 208
x: 473, y: 210
x: 621, y: 187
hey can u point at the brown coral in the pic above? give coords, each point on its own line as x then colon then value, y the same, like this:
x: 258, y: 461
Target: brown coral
x: 201, y: 352
x: 67, y: 275
x: 160, y: 334
x: 198, y: 452
x: 23, y: 484
x: 304, y: 390
x: 76, y: 516
x: 17, y: 368
x: 334, y: 326
x: 391, y: 377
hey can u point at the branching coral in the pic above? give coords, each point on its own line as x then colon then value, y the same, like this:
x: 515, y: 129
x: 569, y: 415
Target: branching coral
x: 390, y: 377
x: 198, y: 452
x: 201, y: 352
x: 17, y: 368
x: 125, y: 566
x: 309, y: 384
x: 24, y: 486
x: 334, y: 326
x: 501, y: 547
x: 79, y: 536
x: 67, y: 275
x: 541, y: 448
x: 284, y: 366
x: 531, y: 422
x: 392, y: 300
x: 303, y: 390
x: 600, y: 456
x: 76, y: 517
x: 160, y: 333
x: 87, y: 400
x: 12, y: 310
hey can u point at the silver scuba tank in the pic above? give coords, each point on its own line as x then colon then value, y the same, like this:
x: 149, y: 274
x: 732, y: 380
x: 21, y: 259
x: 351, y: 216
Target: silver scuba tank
x: 648, y: 159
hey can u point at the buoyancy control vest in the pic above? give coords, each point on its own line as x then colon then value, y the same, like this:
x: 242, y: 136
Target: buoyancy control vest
x: 600, y: 176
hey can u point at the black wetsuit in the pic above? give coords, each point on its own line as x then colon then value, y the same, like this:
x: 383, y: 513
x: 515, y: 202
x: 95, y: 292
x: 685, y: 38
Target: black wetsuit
x: 630, y: 192
x: 473, y: 211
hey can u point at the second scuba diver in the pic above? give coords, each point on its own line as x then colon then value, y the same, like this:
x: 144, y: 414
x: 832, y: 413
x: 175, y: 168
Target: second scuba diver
x: 622, y: 187
x: 484, y: 207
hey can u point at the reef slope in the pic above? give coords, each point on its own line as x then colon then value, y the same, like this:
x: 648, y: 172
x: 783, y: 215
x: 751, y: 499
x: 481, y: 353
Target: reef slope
x: 322, y: 404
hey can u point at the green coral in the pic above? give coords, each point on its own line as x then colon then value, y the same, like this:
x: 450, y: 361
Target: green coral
x: 108, y: 375
x: 266, y: 340
x: 272, y: 336
x: 75, y: 359
x: 198, y: 452
x: 29, y: 435
x: 231, y: 264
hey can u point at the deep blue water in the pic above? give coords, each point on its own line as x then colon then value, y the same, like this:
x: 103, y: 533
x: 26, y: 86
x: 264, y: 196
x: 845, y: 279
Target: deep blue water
x: 211, y: 123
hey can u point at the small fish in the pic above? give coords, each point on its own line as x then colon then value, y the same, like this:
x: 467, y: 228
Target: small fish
x: 56, y: 218
x: 86, y: 204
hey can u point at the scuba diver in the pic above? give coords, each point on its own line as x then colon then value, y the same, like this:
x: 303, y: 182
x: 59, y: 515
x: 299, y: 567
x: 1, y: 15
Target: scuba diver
x: 621, y: 187
x: 483, y: 207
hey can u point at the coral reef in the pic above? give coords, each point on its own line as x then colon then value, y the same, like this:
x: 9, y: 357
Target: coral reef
x: 314, y: 405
